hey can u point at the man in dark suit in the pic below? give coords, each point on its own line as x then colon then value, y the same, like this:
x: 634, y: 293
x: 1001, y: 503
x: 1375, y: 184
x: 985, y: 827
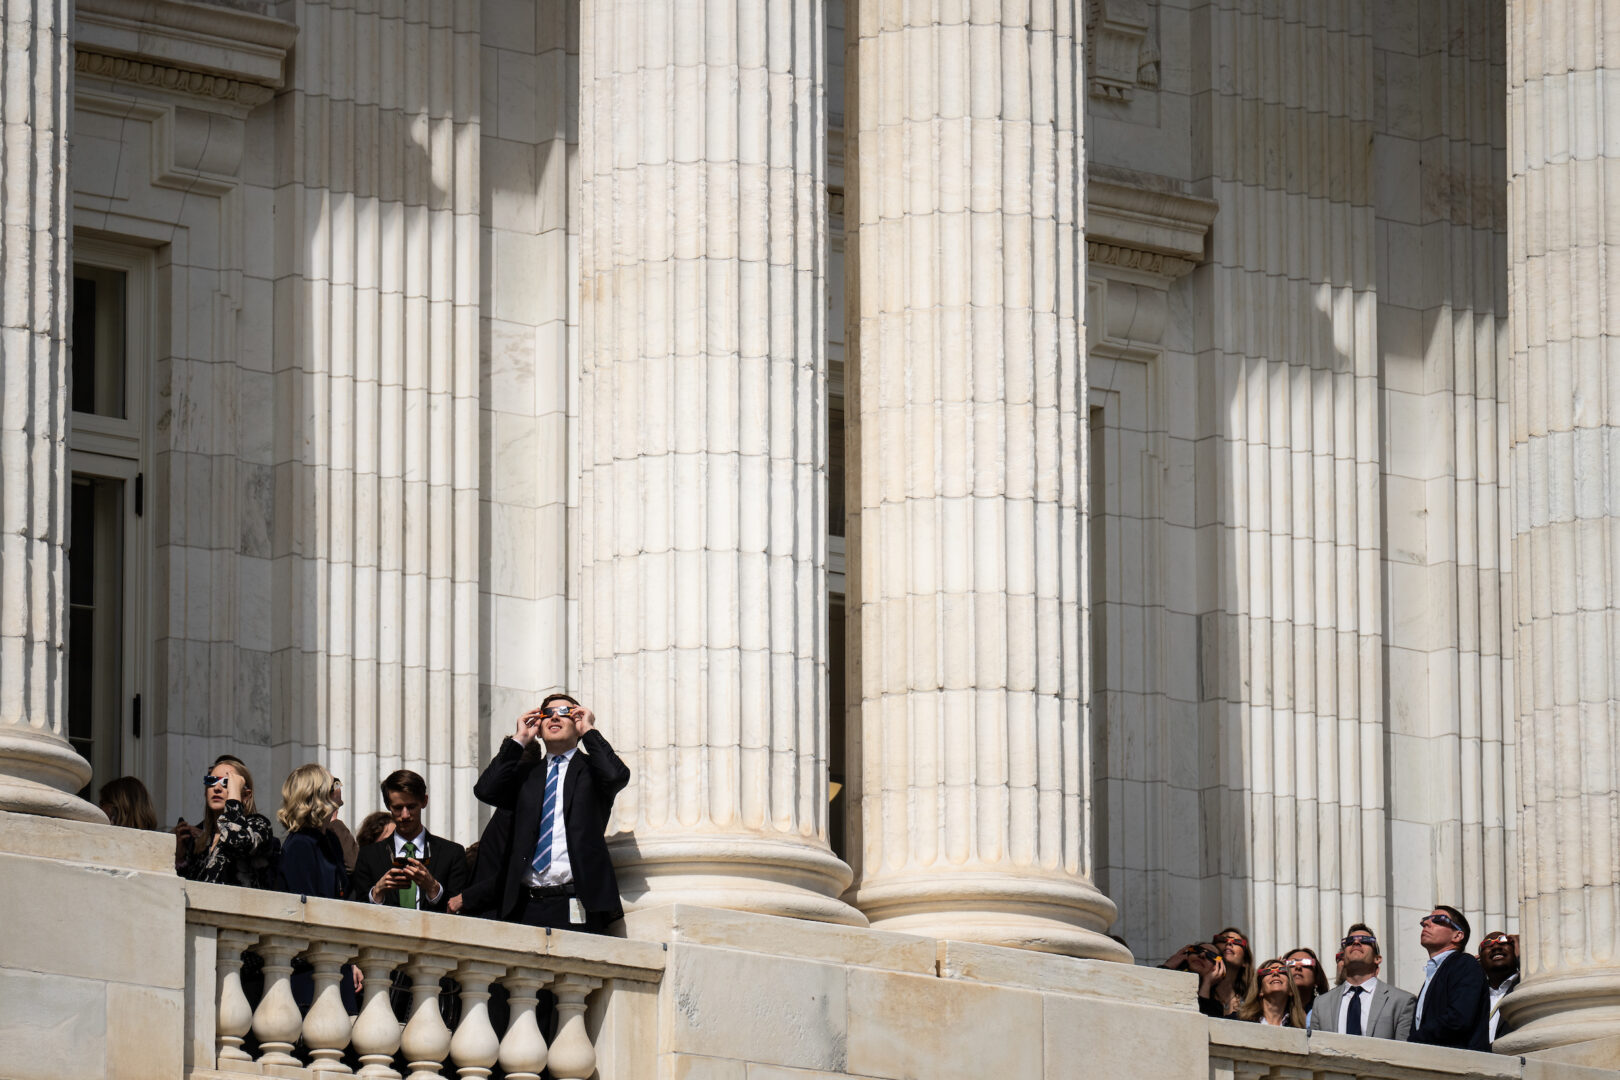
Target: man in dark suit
x: 558, y: 777
x: 1453, y: 1008
x: 412, y: 868
x: 1364, y: 1004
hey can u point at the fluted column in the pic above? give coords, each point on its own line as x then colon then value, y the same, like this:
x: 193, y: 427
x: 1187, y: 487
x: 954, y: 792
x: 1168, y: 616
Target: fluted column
x: 39, y: 772
x: 702, y: 402
x: 1563, y: 239
x: 966, y: 584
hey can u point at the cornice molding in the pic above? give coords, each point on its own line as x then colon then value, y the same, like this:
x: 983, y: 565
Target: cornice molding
x: 1144, y: 224
x: 221, y: 55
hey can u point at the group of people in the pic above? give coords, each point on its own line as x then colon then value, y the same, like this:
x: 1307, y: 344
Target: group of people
x: 1458, y: 1005
x: 541, y: 860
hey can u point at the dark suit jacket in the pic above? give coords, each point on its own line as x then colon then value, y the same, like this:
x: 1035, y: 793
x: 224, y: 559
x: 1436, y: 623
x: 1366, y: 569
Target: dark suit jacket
x: 516, y: 781
x: 483, y: 895
x: 446, y: 860
x: 312, y: 865
x: 1456, y: 1007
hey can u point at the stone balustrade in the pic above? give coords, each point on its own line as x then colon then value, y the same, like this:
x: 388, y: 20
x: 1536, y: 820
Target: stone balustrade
x: 582, y: 972
x: 1240, y: 1051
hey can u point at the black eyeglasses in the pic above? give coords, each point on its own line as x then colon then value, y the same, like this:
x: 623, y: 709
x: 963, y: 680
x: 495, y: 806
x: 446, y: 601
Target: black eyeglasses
x: 1358, y: 939
x: 1441, y: 919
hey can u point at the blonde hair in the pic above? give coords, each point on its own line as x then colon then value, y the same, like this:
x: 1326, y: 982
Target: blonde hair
x: 306, y: 798
x: 1254, y: 1008
x: 128, y: 803
x: 211, y: 817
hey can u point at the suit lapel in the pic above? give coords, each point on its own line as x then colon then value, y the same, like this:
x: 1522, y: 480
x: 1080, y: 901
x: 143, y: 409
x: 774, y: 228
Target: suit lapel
x: 1379, y: 998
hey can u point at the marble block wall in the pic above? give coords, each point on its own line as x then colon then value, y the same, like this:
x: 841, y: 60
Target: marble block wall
x: 529, y: 344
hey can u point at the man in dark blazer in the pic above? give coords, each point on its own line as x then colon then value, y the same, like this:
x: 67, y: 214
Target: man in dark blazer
x: 558, y: 777
x: 1364, y: 1004
x: 1453, y: 1007
x: 412, y: 868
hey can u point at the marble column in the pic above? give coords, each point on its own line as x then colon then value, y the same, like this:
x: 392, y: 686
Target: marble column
x: 703, y: 520
x: 39, y: 771
x: 967, y: 583
x: 1563, y: 236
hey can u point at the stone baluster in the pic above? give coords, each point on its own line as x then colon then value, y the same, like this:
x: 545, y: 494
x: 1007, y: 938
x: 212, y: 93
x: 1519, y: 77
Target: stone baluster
x: 523, y: 1048
x: 327, y: 1026
x: 703, y: 534
x: 39, y: 771
x: 1563, y: 220
x: 475, y: 1047
x: 967, y: 582
x: 572, y: 1056
x: 377, y: 1030
x: 235, y: 1016
x: 426, y: 1040
x: 276, y: 1022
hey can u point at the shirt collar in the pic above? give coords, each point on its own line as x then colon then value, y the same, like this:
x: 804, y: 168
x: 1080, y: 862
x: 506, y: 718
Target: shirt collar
x: 565, y: 757
x: 1370, y: 985
x: 420, y: 840
x: 1438, y: 958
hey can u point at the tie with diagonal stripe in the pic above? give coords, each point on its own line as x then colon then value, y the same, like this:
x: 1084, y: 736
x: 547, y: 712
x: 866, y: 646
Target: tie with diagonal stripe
x: 548, y: 818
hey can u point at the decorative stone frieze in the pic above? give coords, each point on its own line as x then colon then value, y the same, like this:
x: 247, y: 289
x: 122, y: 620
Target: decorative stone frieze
x: 176, y: 79
x: 1120, y: 53
x: 703, y: 538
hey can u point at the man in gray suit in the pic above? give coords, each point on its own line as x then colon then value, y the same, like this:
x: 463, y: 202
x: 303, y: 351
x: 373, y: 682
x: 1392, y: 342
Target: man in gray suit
x: 1363, y: 1004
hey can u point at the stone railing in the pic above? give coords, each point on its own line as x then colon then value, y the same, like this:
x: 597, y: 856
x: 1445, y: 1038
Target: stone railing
x: 584, y: 974
x: 1254, y: 1052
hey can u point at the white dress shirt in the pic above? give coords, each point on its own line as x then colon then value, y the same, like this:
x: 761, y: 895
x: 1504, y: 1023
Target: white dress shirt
x: 1429, y: 970
x: 419, y: 842
x: 1497, y: 994
x: 1366, y: 1004
x: 561, y: 871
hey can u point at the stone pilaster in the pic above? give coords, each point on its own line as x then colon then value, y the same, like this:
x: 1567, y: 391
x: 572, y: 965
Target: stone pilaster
x: 966, y: 465
x: 702, y: 404
x: 39, y: 772
x: 1563, y: 225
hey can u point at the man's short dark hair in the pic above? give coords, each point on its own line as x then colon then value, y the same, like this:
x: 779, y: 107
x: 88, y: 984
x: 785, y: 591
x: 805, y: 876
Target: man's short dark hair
x: 558, y: 696
x: 1378, y: 952
x: 406, y: 783
x: 1462, y: 923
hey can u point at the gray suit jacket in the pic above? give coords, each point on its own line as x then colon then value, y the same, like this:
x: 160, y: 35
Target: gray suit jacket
x: 1387, y: 1016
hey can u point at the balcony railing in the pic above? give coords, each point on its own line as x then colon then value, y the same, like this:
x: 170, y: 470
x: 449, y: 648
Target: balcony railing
x: 581, y: 971
x: 1255, y: 1052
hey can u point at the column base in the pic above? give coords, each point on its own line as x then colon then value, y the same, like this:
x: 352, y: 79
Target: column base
x: 770, y: 877
x: 40, y: 773
x: 1558, y: 1013
x: 1047, y: 914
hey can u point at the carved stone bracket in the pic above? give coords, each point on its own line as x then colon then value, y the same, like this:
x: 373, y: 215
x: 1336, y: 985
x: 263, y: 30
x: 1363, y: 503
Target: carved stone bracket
x: 204, y: 55
x: 1120, y: 54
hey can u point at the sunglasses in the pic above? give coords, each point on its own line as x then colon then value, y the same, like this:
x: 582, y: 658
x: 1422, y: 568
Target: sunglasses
x: 1272, y: 969
x: 1493, y: 939
x: 1301, y: 962
x: 1230, y: 939
x: 211, y: 781
x: 555, y: 711
x: 1441, y: 919
x: 1358, y: 939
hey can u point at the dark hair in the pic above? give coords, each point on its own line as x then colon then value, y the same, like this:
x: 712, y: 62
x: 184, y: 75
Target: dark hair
x: 126, y: 802
x: 1319, y: 985
x: 558, y: 696
x: 371, y: 829
x: 406, y: 783
x: 1462, y: 923
x: 1378, y: 952
x: 1244, y: 977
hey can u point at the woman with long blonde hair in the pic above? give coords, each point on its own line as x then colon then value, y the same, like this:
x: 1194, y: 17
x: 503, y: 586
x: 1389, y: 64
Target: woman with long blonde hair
x: 1273, y: 998
x: 311, y: 857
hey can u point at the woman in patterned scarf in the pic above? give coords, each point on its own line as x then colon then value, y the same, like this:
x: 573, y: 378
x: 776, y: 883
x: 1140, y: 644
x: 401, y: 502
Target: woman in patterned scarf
x: 235, y: 845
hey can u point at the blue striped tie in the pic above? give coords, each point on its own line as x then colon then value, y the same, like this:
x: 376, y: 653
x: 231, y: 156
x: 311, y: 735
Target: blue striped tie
x: 548, y: 818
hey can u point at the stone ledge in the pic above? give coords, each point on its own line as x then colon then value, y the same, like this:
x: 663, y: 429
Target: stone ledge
x: 374, y: 925
x: 203, y: 50
x: 777, y: 936
x: 84, y: 843
x: 1352, y: 1054
x: 1144, y: 223
x: 1068, y: 975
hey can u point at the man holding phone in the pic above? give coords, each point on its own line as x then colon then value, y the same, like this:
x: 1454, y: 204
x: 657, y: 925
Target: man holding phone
x: 412, y: 868
x: 557, y: 777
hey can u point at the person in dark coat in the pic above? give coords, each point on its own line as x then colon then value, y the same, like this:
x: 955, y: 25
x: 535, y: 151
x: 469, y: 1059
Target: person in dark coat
x: 557, y: 776
x: 312, y: 863
x: 1453, y: 1008
x: 411, y: 868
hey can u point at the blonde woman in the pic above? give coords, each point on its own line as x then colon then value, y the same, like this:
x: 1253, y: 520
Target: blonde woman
x: 311, y: 857
x: 1273, y: 998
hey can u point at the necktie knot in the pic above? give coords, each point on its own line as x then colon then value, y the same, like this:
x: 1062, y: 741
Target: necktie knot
x: 1356, y: 990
